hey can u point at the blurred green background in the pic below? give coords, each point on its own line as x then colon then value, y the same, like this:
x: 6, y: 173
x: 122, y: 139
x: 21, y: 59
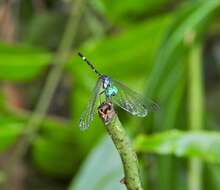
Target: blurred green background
x: 167, y: 50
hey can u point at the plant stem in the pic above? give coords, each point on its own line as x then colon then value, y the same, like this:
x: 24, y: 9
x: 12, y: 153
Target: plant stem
x: 55, y: 74
x: 196, y: 104
x: 50, y: 86
x: 59, y: 62
x: 123, y: 145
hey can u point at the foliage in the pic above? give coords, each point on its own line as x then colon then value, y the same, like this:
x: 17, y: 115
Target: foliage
x: 147, y: 45
x: 109, y: 169
x: 21, y: 63
x: 201, y: 144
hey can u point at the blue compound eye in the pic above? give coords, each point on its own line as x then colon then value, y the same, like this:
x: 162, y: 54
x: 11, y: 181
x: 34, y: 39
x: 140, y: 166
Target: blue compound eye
x: 106, y: 82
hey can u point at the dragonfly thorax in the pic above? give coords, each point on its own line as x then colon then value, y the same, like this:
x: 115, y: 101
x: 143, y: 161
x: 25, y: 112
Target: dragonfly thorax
x: 111, y: 91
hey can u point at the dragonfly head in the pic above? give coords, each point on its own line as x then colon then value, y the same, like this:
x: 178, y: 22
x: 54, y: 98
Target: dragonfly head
x: 106, y: 82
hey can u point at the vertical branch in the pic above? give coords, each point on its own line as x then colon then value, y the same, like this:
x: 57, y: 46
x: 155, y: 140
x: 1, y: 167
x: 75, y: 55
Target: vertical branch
x: 56, y: 72
x: 48, y: 90
x: 123, y: 144
x: 195, y: 105
x: 54, y: 76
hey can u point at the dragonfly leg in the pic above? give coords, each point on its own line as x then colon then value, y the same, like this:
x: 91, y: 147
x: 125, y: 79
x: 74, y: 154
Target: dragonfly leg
x: 100, y: 101
x: 101, y: 92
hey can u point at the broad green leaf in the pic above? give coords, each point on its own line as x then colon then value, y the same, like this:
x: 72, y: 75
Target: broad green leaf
x: 204, y: 145
x: 58, y: 131
x: 9, y: 131
x: 56, y: 141
x: 18, y: 62
x: 212, y: 176
x: 191, y: 19
x: 132, y: 51
x: 101, y: 170
x: 54, y: 158
x: 168, y: 113
x: 120, y: 11
x: 57, y: 150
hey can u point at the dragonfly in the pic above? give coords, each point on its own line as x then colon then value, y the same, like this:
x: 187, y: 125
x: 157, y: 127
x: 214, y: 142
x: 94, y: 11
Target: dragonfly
x: 117, y: 93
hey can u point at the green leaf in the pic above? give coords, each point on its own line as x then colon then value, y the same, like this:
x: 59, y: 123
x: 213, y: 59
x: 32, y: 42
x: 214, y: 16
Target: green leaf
x: 120, y: 11
x: 212, y: 176
x: 101, y: 170
x: 204, y: 145
x: 191, y: 19
x: 132, y: 51
x: 9, y: 131
x: 54, y: 158
x: 19, y: 62
x: 57, y: 151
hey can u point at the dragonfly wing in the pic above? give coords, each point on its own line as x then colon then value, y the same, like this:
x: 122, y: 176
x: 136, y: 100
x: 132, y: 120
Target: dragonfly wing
x: 87, y: 115
x: 131, y: 101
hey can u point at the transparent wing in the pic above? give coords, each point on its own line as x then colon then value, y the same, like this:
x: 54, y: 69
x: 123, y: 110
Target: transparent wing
x: 87, y: 115
x: 131, y: 101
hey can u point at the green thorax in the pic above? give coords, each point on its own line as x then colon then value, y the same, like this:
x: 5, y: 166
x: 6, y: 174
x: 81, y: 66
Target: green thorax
x: 111, y: 91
